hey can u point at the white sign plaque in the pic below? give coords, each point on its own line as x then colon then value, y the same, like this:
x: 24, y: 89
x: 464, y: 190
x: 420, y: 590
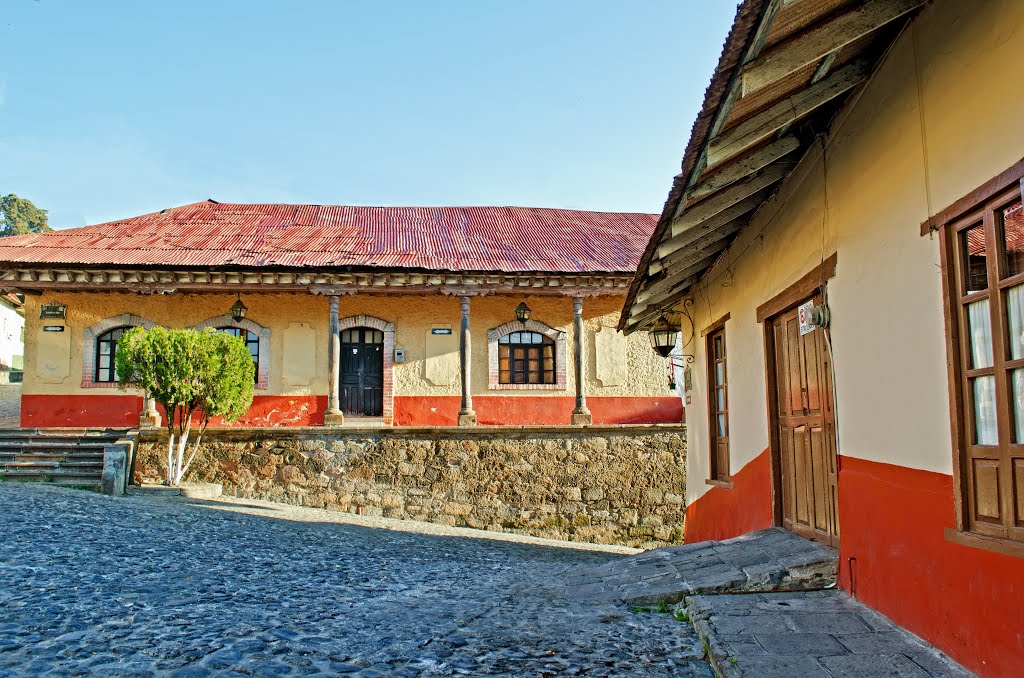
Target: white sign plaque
x: 805, y: 312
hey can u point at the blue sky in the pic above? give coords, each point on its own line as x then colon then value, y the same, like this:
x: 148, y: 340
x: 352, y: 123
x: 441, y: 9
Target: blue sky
x: 113, y: 109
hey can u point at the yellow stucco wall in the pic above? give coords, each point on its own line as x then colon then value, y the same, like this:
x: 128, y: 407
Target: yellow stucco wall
x: 887, y: 320
x: 412, y: 315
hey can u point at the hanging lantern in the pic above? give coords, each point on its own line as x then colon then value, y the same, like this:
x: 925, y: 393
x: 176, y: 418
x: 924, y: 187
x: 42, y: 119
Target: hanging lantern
x: 663, y: 337
x: 238, y: 310
x: 523, y: 312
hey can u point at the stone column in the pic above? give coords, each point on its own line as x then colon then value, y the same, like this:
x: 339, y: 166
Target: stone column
x: 580, y: 415
x: 150, y: 417
x: 467, y: 417
x: 333, y: 416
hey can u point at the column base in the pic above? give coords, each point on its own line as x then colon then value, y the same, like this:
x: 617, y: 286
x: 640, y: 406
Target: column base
x: 467, y: 418
x: 149, y: 420
x: 333, y: 418
x: 582, y: 418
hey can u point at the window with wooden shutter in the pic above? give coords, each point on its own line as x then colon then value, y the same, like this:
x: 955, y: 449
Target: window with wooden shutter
x: 983, y: 257
x: 718, y: 406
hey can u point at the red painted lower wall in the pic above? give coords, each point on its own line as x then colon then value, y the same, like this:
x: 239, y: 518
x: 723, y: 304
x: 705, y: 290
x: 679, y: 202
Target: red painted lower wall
x: 96, y: 411
x: 723, y: 512
x: 120, y: 410
x: 967, y: 601
x: 493, y: 410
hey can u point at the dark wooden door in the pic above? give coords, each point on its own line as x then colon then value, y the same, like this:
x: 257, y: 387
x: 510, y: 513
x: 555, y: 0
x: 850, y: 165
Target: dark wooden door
x: 362, y: 372
x: 805, y: 428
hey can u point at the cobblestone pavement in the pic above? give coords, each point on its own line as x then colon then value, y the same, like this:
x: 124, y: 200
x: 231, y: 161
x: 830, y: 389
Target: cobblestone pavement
x: 140, y: 586
x: 10, y: 405
x: 811, y: 634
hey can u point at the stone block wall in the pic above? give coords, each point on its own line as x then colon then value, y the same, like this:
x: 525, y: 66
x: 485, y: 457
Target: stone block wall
x: 621, y: 484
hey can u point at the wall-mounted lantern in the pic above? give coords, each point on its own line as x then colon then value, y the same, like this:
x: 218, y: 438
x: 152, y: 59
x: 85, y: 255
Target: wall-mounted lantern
x: 239, y: 310
x: 664, y: 336
x: 523, y: 312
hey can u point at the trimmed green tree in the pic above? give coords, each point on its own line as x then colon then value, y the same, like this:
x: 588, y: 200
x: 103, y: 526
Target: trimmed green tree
x: 195, y: 376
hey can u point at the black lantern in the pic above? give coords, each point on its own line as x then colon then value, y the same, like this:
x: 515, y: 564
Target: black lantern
x: 522, y: 312
x: 663, y: 337
x: 238, y: 310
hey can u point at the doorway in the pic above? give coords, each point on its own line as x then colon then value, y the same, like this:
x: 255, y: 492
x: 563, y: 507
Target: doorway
x: 362, y: 372
x: 802, y: 414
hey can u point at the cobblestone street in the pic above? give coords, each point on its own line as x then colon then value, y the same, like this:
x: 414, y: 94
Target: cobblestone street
x: 143, y: 586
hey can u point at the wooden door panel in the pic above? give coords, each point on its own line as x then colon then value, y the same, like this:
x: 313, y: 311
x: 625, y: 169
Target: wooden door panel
x: 819, y: 490
x: 985, y: 481
x: 805, y: 430
x: 801, y: 471
x: 793, y: 394
x: 786, y: 447
x: 1018, y: 491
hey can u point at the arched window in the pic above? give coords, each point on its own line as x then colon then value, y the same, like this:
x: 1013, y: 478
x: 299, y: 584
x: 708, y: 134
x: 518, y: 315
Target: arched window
x: 526, y: 358
x: 106, y: 353
x: 252, y: 342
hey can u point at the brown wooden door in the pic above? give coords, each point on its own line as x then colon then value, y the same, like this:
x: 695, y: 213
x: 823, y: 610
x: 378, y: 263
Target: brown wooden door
x: 805, y: 423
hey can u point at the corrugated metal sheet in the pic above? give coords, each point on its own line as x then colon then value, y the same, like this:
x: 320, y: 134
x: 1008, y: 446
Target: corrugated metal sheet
x: 210, y: 234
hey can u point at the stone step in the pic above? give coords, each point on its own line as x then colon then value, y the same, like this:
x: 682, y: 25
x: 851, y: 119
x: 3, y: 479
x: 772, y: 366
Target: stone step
x: 763, y: 561
x: 41, y: 474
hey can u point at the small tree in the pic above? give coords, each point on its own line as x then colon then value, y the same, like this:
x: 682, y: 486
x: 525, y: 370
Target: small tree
x: 19, y: 216
x: 194, y: 375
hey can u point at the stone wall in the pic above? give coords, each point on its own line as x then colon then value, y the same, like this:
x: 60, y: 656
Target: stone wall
x: 622, y: 484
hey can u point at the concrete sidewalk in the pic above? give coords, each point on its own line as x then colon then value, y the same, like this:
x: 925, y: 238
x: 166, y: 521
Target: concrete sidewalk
x: 809, y: 634
x: 765, y: 605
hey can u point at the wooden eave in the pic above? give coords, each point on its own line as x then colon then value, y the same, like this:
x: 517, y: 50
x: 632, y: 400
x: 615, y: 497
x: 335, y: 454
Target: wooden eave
x: 786, y: 68
x: 35, y: 280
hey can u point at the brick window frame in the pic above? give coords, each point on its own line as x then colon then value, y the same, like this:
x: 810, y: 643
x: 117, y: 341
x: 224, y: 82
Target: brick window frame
x: 262, y: 333
x: 91, y: 334
x: 388, y: 394
x: 493, y: 335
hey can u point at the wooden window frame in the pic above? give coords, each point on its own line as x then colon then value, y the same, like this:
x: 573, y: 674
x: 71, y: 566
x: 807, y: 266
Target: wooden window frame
x: 101, y: 340
x: 251, y: 339
x: 979, y: 207
x: 544, y: 375
x: 718, y: 473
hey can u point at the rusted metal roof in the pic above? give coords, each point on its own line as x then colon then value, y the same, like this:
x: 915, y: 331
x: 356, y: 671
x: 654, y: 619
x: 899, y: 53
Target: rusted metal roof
x: 212, y: 234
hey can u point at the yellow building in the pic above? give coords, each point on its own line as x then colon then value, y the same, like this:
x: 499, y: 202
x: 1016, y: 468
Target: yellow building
x: 842, y: 252
x: 379, y: 316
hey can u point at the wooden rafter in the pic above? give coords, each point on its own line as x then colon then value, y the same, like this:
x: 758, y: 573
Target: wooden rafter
x: 761, y: 125
x: 697, y: 213
x: 780, y: 60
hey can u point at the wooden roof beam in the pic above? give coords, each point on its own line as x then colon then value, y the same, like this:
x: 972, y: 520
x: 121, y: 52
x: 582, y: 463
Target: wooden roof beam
x: 700, y: 260
x: 708, y: 237
x: 812, y: 45
x: 760, y: 126
x: 743, y: 167
x: 694, y: 214
x: 672, y: 245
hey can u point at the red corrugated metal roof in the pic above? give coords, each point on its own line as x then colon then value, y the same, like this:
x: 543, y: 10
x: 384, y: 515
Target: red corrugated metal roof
x: 211, y: 234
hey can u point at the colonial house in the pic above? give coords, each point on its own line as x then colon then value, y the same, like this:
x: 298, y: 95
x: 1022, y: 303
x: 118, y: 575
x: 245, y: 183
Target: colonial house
x: 353, y: 315
x: 841, y: 255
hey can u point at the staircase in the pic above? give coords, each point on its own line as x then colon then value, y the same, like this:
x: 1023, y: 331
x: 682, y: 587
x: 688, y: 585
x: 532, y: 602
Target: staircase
x: 67, y: 457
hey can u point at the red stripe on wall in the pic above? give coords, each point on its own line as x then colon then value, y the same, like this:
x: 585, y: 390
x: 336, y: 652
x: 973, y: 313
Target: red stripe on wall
x: 51, y: 411
x: 967, y: 601
x: 97, y: 411
x: 495, y: 410
x: 722, y: 513
x: 43, y: 411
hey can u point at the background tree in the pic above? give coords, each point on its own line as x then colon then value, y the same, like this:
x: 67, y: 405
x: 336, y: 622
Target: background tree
x: 19, y: 216
x: 194, y: 375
